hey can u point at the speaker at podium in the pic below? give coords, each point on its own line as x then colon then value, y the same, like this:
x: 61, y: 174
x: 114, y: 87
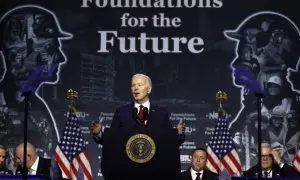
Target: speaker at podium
x: 140, y: 154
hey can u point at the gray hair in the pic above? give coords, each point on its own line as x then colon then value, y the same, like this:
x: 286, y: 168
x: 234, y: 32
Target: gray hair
x: 148, y: 80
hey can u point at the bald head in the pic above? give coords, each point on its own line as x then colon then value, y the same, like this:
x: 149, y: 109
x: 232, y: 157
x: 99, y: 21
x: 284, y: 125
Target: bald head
x: 31, y: 154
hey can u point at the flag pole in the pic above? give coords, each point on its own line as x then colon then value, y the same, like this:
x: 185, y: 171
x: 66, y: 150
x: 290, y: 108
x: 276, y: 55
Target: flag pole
x: 259, y: 101
x: 26, y: 112
x: 221, y: 97
x: 72, y: 96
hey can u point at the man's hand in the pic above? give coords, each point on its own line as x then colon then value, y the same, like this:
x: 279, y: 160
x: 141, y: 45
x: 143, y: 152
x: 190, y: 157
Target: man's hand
x: 276, y: 156
x: 96, y: 127
x: 180, y: 127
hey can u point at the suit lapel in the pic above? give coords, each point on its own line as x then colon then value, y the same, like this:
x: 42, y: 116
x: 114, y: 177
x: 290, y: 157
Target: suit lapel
x: 39, y: 168
x: 152, y: 110
x: 204, y: 175
x: 189, y: 174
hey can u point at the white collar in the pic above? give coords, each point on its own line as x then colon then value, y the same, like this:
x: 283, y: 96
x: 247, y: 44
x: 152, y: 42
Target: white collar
x: 145, y: 104
x: 194, y: 173
x: 35, y: 164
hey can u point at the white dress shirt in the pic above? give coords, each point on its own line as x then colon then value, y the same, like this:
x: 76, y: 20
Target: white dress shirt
x: 145, y: 104
x: 194, y: 173
x: 136, y: 105
x: 33, y: 168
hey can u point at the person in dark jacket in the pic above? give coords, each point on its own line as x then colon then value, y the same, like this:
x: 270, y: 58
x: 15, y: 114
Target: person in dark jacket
x: 272, y: 166
x: 196, y: 171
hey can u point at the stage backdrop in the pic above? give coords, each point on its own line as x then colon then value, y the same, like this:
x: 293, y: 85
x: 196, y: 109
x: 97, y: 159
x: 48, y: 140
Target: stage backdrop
x: 190, y: 48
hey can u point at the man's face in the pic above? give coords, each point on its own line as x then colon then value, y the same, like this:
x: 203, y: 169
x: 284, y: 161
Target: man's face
x: 276, y: 121
x: 273, y: 89
x: 266, y: 158
x: 199, y: 160
x: 19, y: 157
x: 140, y: 89
x: 2, y: 157
x: 246, y: 59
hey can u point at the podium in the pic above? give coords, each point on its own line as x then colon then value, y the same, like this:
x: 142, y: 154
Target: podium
x: 116, y: 164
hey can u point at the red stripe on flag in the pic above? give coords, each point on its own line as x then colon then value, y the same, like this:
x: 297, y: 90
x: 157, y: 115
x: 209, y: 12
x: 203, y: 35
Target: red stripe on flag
x: 214, y: 164
x: 235, y: 162
x: 85, y: 170
x: 74, y: 170
x: 227, y: 167
x: 62, y: 165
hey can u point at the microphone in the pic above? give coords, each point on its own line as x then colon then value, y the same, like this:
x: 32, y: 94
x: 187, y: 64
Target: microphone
x: 145, y: 114
x: 134, y: 113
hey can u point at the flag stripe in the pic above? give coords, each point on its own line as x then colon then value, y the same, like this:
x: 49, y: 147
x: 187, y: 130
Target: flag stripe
x: 74, y: 167
x: 214, y: 161
x: 212, y: 165
x: 87, y: 165
x: 221, y: 149
x: 227, y: 166
x: 85, y: 171
x: 61, y: 163
x: 71, y: 154
x: 231, y: 164
x: 296, y: 163
x: 234, y: 161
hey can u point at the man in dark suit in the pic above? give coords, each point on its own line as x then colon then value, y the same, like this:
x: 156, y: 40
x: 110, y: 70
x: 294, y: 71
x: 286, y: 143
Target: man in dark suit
x: 3, y: 170
x: 36, y: 165
x: 140, y: 116
x: 272, y: 165
x: 197, y: 171
x: 158, y: 117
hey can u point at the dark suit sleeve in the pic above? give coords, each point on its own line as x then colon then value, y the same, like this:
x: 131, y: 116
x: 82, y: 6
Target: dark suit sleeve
x: 289, y: 171
x: 116, y: 122
x: 208, y: 175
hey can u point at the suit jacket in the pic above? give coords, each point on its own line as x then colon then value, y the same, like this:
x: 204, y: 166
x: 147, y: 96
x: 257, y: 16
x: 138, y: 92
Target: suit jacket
x: 5, y: 172
x: 285, y: 172
x: 207, y: 175
x: 158, y: 119
x: 43, y: 168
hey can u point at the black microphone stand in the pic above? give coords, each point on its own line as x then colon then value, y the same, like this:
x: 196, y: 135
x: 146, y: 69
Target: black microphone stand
x: 26, y: 101
x: 259, y: 96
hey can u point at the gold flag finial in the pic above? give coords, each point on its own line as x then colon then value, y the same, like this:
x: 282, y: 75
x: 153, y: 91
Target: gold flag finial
x: 221, y: 97
x: 72, y: 96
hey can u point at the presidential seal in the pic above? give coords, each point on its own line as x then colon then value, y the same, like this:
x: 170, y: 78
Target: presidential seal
x: 140, y: 148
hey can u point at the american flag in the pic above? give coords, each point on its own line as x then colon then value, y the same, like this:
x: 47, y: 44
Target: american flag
x: 296, y: 162
x: 70, y: 153
x: 221, y: 150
